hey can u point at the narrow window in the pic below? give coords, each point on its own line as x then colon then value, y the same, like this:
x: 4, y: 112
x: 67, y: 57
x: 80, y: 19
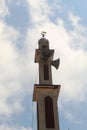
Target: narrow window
x: 49, y: 113
x: 46, y: 72
x: 37, y: 117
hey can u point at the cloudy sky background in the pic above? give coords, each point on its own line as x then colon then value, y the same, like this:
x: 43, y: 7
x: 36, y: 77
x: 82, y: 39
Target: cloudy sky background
x: 21, y: 23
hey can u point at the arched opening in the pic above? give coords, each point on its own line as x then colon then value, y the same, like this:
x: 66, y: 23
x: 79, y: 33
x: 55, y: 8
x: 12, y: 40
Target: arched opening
x: 49, y: 113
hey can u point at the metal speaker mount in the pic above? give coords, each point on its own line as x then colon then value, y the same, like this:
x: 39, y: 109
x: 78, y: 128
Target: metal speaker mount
x: 56, y: 63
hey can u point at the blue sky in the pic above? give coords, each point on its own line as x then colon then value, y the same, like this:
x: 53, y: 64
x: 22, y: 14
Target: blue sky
x: 21, y: 23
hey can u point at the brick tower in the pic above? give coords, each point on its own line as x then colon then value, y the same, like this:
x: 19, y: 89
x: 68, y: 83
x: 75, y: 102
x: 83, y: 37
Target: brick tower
x: 45, y: 93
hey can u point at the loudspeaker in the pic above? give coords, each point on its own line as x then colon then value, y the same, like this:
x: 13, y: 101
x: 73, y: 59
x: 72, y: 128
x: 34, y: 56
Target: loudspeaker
x: 56, y: 63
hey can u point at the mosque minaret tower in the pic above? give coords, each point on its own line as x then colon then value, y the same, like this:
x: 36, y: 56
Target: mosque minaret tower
x: 46, y: 94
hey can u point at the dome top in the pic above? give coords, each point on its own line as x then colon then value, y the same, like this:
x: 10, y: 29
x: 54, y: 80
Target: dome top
x: 43, y: 40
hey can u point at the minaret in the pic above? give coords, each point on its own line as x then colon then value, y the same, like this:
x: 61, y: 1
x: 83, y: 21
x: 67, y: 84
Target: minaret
x: 45, y: 93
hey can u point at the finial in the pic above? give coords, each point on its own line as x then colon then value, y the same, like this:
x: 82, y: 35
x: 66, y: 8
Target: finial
x: 43, y: 34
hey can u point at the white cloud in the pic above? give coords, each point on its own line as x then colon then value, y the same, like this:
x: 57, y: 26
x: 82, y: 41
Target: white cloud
x: 17, y: 2
x: 69, y: 116
x: 3, y: 9
x: 6, y: 127
x: 39, y: 11
x: 17, y: 106
x: 10, y: 83
x: 74, y: 20
x: 78, y: 34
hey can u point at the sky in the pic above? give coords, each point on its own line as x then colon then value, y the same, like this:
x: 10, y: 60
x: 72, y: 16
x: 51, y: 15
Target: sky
x: 21, y: 24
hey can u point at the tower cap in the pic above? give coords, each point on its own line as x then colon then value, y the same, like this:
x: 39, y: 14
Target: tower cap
x: 43, y: 40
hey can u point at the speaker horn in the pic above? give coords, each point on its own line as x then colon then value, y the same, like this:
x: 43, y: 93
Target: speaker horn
x: 56, y: 63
